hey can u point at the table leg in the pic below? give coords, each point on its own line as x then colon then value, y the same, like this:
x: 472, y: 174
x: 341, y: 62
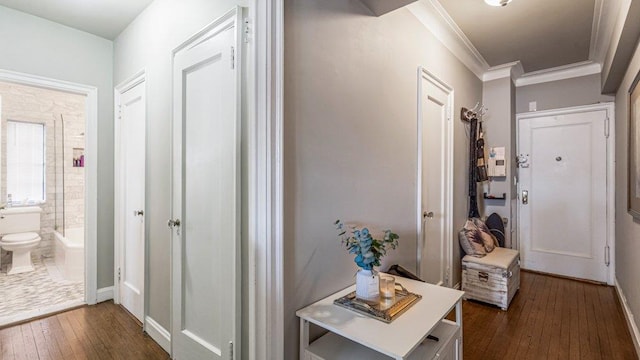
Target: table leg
x: 304, y: 338
x: 459, y: 322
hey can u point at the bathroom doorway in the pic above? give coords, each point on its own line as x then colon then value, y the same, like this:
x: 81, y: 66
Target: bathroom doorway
x: 43, y: 188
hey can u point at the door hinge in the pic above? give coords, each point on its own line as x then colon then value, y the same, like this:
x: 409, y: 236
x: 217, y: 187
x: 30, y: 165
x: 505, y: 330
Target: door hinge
x: 118, y: 274
x: 231, y: 350
x: 607, y: 255
x: 247, y: 30
x: 606, y: 127
x: 233, y: 58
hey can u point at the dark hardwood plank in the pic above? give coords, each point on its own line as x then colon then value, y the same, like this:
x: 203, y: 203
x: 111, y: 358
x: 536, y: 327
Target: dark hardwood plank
x: 7, y: 347
x: 27, y: 347
x: 104, y: 331
x: 53, y: 327
x: 82, y: 348
x: 549, y: 318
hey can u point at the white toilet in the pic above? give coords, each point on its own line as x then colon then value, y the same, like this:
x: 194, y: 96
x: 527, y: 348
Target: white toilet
x: 20, y: 227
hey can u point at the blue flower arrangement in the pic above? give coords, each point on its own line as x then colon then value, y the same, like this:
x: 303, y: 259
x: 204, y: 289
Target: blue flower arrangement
x: 368, y: 250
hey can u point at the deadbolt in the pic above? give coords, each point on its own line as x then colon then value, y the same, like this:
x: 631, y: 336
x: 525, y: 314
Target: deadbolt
x: 173, y: 223
x: 138, y: 212
x: 525, y: 197
x: 427, y: 215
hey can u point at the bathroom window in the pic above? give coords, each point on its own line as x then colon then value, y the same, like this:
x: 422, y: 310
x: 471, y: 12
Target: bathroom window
x: 25, y: 163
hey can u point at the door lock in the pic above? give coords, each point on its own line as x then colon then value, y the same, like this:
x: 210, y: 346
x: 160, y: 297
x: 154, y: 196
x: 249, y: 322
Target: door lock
x: 138, y: 212
x: 427, y: 215
x: 525, y: 197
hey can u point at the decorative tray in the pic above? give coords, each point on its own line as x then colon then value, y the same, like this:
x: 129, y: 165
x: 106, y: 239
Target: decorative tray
x: 385, y: 310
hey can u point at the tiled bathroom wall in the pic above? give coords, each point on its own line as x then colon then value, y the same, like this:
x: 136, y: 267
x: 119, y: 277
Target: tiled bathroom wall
x: 31, y: 104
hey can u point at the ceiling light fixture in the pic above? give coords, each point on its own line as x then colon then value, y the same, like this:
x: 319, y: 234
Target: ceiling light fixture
x: 497, y: 2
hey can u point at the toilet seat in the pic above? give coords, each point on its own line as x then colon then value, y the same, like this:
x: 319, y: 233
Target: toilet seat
x: 20, y: 237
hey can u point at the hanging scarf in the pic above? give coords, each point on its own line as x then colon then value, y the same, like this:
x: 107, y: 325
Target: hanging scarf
x: 473, y: 168
x: 482, y: 168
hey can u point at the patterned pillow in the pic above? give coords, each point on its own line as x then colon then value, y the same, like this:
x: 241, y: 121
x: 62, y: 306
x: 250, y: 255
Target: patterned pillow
x: 471, y: 240
x: 489, y: 240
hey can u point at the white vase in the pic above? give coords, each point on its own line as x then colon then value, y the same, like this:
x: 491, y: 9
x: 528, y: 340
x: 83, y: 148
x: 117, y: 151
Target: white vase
x: 367, y: 286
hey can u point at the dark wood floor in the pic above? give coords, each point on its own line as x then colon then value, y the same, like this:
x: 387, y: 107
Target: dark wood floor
x: 549, y: 318
x: 104, y: 331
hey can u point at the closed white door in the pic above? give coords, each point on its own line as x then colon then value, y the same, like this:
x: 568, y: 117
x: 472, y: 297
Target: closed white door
x: 435, y: 99
x: 563, y: 194
x: 132, y: 125
x: 206, y: 195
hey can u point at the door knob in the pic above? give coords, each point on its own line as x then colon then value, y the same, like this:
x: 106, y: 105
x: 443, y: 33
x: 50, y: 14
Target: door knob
x: 138, y: 212
x: 173, y: 223
x: 427, y: 215
x: 525, y: 197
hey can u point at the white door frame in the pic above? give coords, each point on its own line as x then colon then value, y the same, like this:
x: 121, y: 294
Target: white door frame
x: 424, y: 74
x: 611, y: 177
x: 91, y: 167
x: 265, y: 237
x: 118, y: 189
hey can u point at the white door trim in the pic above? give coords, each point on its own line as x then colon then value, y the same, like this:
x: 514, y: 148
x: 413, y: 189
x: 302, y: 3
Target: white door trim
x: 609, y: 108
x: 265, y: 238
x: 91, y: 166
x: 448, y: 216
x: 118, y: 188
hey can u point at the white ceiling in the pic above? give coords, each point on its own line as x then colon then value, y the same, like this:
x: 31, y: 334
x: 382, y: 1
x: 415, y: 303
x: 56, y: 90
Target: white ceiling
x: 541, y: 34
x: 105, y: 18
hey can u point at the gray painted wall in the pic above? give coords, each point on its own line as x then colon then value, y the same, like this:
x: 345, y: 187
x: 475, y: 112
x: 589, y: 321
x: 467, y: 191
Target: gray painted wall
x: 627, y: 229
x: 350, y: 148
x: 582, y: 90
x: 147, y: 44
x: 499, y: 130
x: 37, y: 46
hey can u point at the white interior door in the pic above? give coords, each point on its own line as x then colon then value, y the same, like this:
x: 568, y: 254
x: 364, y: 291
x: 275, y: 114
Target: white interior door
x: 563, y: 194
x: 206, y: 194
x: 434, y: 179
x: 132, y: 130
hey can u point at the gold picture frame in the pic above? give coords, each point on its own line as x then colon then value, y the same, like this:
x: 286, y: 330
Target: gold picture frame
x: 633, y: 168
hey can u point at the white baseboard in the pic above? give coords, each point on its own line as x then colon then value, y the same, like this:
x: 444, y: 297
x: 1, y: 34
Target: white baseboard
x: 104, y: 294
x: 633, y: 327
x: 158, y: 333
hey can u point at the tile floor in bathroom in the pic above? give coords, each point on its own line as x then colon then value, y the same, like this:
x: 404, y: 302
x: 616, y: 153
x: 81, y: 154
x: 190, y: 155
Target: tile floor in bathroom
x: 36, y: 293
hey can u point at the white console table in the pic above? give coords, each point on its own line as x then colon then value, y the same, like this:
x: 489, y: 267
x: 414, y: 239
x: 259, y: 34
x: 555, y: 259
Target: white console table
x: 355, y: 336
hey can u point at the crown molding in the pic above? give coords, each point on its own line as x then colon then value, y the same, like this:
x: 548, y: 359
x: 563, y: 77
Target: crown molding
x: 381, y: 7
x: 513, y: 70
x: 596, y: 28
x: 436, y: 19
x: 563, y: 72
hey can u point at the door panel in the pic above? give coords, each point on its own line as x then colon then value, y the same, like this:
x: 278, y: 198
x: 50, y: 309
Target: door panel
x: 563, y: 225
x: 434, y: 249
x: 133, y: 130
x: 206, y: 196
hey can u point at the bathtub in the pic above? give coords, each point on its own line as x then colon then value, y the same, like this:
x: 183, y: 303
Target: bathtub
x: 69, y: 254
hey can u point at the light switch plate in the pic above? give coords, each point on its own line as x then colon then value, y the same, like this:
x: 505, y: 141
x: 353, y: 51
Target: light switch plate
x: 533, y: 106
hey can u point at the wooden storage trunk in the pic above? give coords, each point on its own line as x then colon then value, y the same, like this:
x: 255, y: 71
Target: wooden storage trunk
x: 493, y: 279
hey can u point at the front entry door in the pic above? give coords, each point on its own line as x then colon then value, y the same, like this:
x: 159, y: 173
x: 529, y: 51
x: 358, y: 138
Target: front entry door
x: 434, y: 178
x: 206, y: 194
x: 563, y: 193
x: 132, y: 113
